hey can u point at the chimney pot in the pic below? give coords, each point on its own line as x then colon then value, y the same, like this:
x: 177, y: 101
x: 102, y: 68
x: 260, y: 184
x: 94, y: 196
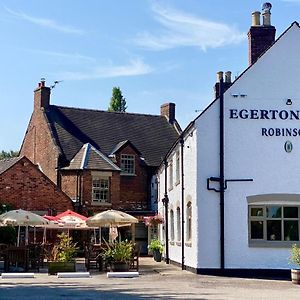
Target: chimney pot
x: 228, y: 77
x: 219, y: 76
x: 256, y: 18
x: 266, y: 18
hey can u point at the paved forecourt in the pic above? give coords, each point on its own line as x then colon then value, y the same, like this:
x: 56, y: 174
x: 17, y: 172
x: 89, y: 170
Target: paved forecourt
x: 156, y: 281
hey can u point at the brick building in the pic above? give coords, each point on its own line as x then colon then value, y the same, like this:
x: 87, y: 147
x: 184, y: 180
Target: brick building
x: 23, y: 185
x: 100, y: 159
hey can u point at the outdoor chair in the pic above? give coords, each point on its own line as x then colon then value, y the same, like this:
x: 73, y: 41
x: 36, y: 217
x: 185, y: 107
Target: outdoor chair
x: 35, y: 256
x: 93, y: 258
x: 134, y: 262
x: 16, y: 259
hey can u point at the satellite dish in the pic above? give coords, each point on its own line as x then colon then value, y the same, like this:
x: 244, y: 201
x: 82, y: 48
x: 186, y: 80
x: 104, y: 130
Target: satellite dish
x: 266, y: 6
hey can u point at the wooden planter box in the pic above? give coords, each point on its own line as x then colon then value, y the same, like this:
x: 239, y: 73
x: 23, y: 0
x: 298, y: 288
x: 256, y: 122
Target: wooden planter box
x: 58, y: 266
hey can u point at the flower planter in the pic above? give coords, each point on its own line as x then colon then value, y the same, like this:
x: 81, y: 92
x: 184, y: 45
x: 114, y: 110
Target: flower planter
x: 59, y: 266
x: 118, y: 266
x: 157, y: 255
x: 295, y: 273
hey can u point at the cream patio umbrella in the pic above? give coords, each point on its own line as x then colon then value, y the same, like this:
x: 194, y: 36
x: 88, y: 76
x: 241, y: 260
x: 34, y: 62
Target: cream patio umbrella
x: 20, y: 218
x: 111, y: 218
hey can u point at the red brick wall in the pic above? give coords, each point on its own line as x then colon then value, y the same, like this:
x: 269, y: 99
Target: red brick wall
x: 39, y: 146
x: 24, y: 186
x: 133, y: 189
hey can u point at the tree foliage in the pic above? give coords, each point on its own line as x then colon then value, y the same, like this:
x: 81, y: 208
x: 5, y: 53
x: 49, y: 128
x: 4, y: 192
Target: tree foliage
x: 9, y: 154
x: 117, y: 101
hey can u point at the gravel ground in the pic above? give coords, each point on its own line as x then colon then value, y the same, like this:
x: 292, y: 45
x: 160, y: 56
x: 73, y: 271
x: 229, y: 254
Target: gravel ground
x: 156, y: 281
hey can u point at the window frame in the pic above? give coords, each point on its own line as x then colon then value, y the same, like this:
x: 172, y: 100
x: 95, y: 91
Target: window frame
x: 101, y: 189
x: 178, y: 224
x: 128, y: 158
x: 171, y: 174
x: 265, y: 242
x: 177, y: 160
x: 189, y: 221
x: 172, y: 231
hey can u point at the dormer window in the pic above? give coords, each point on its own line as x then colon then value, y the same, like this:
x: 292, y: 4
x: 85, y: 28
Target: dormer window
x: 128, y: 164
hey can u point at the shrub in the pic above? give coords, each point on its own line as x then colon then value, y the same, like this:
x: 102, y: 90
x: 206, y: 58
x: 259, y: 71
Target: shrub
x: 295, y: 255
x: 156, y: 245
x: 64, y: 251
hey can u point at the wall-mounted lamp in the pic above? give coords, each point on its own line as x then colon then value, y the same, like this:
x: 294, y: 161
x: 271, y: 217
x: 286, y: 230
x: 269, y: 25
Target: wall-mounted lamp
x: 289, y: 101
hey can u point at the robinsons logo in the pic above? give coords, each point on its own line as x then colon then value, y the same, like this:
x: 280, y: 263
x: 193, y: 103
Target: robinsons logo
x: 271, y: 114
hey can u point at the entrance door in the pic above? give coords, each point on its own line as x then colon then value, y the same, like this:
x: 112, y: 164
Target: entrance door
x: 141, y: 237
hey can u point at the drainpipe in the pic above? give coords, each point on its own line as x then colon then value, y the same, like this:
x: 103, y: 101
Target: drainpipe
x: 182, y: 207
x: 166, y: 204
x: 222, y: 184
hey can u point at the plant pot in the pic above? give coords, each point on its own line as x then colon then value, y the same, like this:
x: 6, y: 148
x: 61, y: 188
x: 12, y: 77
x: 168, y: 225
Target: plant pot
x: 157, y: 255
x: 59, y: 266
x: 119, y: 266
x: 295, y: 273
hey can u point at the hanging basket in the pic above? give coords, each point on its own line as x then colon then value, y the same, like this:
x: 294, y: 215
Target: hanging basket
x: 153, y: 220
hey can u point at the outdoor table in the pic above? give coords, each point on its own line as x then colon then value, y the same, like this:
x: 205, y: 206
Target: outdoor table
x: 16, y: 257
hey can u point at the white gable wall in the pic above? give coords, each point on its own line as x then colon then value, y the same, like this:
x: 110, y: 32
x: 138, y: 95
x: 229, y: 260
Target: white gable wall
x: 248, y: 154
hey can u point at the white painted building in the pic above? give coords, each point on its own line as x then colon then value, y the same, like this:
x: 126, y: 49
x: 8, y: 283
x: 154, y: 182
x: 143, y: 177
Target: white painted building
x: 261, y: 127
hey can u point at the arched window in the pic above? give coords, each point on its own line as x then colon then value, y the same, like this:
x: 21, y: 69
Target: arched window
x: 172, y: 224
x: 178, y: 221
x: 189, y: 221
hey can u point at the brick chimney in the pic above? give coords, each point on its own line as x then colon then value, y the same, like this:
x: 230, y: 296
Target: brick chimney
x: 168, y: 110
x: 41, y: 96
x: 260, y: 37
x: 226, y: 83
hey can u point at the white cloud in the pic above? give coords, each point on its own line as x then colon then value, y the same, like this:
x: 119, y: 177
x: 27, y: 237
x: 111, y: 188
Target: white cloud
x: 134, y: 68
x: 48, y: 23
x: 184, y: 30
x: 65, y: 56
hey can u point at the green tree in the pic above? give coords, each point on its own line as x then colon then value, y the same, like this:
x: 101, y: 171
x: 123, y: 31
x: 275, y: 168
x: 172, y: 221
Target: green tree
x: 9, y: 154
x: 117, y: 101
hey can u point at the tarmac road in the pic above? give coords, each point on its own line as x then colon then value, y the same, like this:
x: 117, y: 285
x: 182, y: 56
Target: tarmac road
x: 156, y: 281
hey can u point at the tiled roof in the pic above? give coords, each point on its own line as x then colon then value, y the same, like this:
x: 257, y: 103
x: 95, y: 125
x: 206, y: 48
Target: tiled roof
x: 88, y: 157
x: 74, y: 127
x: 5, y: 164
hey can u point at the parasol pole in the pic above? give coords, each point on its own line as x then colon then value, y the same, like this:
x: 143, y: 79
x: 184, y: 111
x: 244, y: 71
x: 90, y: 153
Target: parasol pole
x: 26, y: 235
x: 100, y: 237
x: 34, y: 234
x: 44, y: 236
x: 18, y: 241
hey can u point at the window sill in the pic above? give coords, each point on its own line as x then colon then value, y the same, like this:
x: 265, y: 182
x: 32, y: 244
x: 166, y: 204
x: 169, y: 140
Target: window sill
x: 188, y: 244
x: 128, y: 174
x: 177, y: 182
x: 178, y: 243
x: 95, y: 203
x: 170, y: 188
x: 272, y: 244
x: 172, y: 243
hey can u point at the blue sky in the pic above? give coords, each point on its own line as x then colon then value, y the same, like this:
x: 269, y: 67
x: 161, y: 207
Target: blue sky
x: 155, y: 51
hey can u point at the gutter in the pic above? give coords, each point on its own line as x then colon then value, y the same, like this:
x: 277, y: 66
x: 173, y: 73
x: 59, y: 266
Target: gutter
x: 182, y: 207
x: 166, y: 204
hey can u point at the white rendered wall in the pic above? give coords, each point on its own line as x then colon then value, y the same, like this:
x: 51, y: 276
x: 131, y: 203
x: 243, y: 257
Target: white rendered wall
x: 175, y: 199
x: 267, y: 84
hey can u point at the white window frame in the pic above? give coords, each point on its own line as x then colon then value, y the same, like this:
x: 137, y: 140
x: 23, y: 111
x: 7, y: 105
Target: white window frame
x: 171, y: 175
x: 262, y: 202
x: 172, y: 232
x: 177, y: 157
x: 189, y: 221
x: 128, y: 164
x: 178, y: 224
x: 100, y: 190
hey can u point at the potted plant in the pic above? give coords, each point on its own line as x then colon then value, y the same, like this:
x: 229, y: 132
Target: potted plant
x: 61, y: 258
x: 295, y: 259
x: 118, y: 255
x: 156, y: 248
x: 153, y: 220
